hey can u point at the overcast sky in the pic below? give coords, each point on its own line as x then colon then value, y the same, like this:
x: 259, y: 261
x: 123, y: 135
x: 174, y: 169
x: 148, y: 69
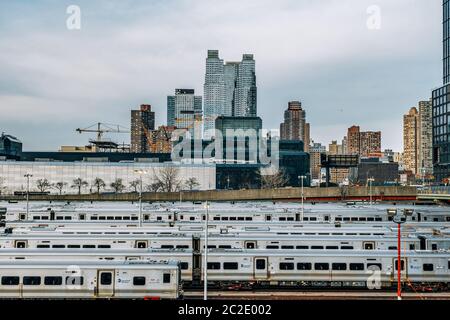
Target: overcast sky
x: 54, y: 80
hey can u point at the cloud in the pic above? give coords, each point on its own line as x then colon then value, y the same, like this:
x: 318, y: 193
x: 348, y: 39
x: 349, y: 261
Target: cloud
x: 132, y: 52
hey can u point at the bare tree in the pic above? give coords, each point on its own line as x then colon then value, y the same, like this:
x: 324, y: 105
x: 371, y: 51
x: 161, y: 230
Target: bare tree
x: 191, y: 183
x: 167, y: 179
x: 272, y: 178
x: 155, y: 186
x: 43, y: 185
x: 118, y: 185
x: 135, y: 185
x: 99, y: 184
x: 59, y: 186
x: 79, y: 183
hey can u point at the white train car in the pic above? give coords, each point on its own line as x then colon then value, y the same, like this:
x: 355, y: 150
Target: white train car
x: 89, y: 279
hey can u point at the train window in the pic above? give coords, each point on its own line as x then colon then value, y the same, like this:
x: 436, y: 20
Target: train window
x: 67, y: 218
x: 104, y: 246
x: 170, y: 217
x: 392, y: 248
x: 268, y: 217
x: 94, y: 218
x: 332, y: 247
x: 138, y: 281
x: 346, y: 247
x: 118, y: 218
x: 338, y: 219
x: 433, y: 246
x: 21, y: 244
x: 53, y: 281
x: 230, y: 265
x: 290, y: 219
x: 402, y: 264
x: 272, y: 247
x: 158, y: 218
x: 109, y: 218
x: 59, y: 218
x: 224, y: 218
x: 141, y: 244
x: 182, y: 247
x: 313, y: 219
x: 73, y: 246
x: 339, y: 266
x: 31, y: 281
x: 286, y: 266
x: 302, y: 247
x: 447, y: 219
x: 305, y: 218
x: 378, y: 219
x: 22, y: 216
x: 304, y: 266
x: 58, y: 246
x: 346, y: 218
x: 184, y: 265
x: 191, y: 218
x: 369, y: 246
x: 287, y: 247
x: 326, y: 218
x: 232, y: 218
x: 213, y: 265
x: 370, y: 219
x: 216, y: 218
x: 168, y: 246
x: 250, y: 219
x: 241, y: 219
x: 106, y: 278
x: 88, y: 246
x: 260, y: 264
x: 134, y: 218
x: 82, y: 217
x: 10, y: 281
x: 225, y: 247
x: 36, y: 218
x: 42, y: 246
x: 181, y: 217
x: 74, y: 280
x: 354, y: 219
x: 125, y: 218
x: 102, y: 218
x: 374, y: 266
x: 317, y: 247
x: 362, y: 219
x: 428, y: 267
x: 250, y: 245
x: 282, y: 219
x: 435, y: 219
x: 356, y: 266
x: 166, y: 278
x: 212, y: 246
x: 412, y: 246
x: 321, y: 266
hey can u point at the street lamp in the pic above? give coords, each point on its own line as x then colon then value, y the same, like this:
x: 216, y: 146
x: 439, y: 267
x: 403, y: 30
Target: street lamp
x: 28, y: 176
x: 205, y: 264
x: 399, y: 218
x: 303, y: 205
x: 370, y: 180
x: 140, y: 172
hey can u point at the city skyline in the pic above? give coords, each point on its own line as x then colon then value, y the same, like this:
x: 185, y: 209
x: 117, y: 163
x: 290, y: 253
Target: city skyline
x: 76, y: 78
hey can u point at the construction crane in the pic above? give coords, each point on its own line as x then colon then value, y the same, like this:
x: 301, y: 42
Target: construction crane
x: 101, y: 128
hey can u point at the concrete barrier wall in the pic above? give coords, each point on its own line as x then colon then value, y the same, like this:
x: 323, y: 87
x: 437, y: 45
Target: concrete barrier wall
x: 294, y: 194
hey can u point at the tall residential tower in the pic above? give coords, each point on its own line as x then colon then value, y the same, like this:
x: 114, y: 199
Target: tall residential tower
x: 142, y: 122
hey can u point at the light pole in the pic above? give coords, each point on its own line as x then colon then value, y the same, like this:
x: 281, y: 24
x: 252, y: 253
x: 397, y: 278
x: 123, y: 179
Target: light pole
x: 205, y: 264
x: 370, y: 180
x: 303, y: 205
x: 28, y: 176
x: 140, y: 172
x: 399, y: 218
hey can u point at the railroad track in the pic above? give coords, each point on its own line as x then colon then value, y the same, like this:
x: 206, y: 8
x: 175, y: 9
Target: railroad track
x: 314, y: 295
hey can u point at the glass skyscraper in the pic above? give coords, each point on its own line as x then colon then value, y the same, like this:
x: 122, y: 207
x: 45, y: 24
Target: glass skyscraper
x: 229, y: 89
x: 184, y: 111
x: 441, y: 108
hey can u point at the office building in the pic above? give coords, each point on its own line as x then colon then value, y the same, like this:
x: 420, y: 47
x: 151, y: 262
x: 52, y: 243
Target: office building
x: 10, y: 146
x: 411, y: 140
x: 142, y: 122
x: 184, y: 111
x: 426, y: 139
x: 294, y: 125
x: 365, y: 144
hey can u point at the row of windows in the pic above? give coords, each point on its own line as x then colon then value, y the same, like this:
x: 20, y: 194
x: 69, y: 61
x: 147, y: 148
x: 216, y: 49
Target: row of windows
x: 326, y: 266
x: 74, y: 246
x: 106, y: 278
x: 308, y: 247
x: 36, y: 280
x: 82, y: 218
x: 358, y: 219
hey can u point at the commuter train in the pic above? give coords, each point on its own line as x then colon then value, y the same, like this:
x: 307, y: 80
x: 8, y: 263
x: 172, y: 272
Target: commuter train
x: 336, y: 240
x: 241, y: 215
x: 50, y: 279
x: 258, y: 269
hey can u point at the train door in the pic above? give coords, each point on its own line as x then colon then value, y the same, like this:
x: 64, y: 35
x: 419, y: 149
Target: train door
x: 403, y: 268
x: 297, y: 217
x: 105, y: 283
x: 260, y: 268
x: 196, y: 261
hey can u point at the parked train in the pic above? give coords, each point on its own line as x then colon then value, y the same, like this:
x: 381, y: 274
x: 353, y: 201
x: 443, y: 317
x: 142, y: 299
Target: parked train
x: 256, y: 269
x: 89, y: 279
x: 279, y: 241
